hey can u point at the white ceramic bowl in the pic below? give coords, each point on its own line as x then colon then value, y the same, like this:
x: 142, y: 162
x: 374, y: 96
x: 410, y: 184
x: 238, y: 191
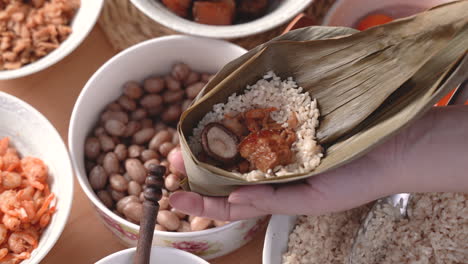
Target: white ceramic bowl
x: 159, y: 255
x: 279, y: 12
x: 33, y: 135
x: 154, y: 56
x: 82, y: 24
x: 276, y: 238
x: 348, y: 12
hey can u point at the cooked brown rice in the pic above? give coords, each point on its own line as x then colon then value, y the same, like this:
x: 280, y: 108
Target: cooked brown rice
x: 436, y: 232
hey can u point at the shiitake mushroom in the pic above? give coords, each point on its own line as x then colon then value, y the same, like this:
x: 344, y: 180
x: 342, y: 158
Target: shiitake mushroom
x: 220, y: 143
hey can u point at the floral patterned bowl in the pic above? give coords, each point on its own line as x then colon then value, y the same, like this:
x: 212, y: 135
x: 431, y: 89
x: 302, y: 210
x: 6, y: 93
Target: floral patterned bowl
x: 146, y: 58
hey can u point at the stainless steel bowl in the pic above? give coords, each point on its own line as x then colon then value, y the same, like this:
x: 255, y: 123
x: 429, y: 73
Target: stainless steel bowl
x: 279, y: 12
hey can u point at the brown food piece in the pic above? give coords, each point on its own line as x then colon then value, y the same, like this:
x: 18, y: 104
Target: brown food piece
x: 252, y: 8
x: 214, y: 13
x: 219, y: 143
x: 180, y: 7
x: 267, y: 149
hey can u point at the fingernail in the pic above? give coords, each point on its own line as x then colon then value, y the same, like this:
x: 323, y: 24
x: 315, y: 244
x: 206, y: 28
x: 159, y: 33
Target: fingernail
x: 183, y: 202
x: 236, y: 198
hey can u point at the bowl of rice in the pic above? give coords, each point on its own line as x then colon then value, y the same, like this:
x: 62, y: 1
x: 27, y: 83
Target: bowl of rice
x: 434, y: 232
x: 35, y: 35
x: 36, y: 191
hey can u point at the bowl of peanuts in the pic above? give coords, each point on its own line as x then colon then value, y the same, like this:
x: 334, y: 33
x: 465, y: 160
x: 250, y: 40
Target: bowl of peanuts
x: 34, y: 35
x: 124, y: 120
x: 36, y: 183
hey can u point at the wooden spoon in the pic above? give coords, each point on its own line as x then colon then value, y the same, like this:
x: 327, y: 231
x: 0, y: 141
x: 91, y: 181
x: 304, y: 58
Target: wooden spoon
x: 152, y: 193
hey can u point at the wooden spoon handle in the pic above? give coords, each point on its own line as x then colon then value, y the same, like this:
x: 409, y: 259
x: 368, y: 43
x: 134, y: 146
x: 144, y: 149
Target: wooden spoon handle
x: 152, y: 193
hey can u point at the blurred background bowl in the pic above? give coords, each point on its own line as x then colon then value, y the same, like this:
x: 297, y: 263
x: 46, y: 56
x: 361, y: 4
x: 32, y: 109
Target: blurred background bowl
x: 347, y: 13
x: 33, y: 135
x: 158, y: 255
x: 82, y: 23
x: 279, y: 12
x: 154, y: 57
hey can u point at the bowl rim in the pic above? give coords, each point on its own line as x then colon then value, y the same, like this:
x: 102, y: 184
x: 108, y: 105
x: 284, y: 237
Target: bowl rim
x: 129, y: 250
x: 267, y: 22
x: 32, y: 68
x: 67, y: 199
x: 72, y: 128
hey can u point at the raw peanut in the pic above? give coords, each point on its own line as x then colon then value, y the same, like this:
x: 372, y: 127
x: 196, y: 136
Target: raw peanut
x: 184, y: 227
x: 106, y: 142
x: 148, y: 154
x: 160, y: 126
x: 142, y: 197
x: 136, y: 170
x: 191, y: 217
x: 105, y: 198
x: 200, y: 223
x: 127, y: 103
x: 114, y: 107
x: 100, y: 158
x: 134, y: 188
x: 218, y: 223
x: 115, y: 127
x: 193, y: 90
x: 116, y: 195
x: 115, y: 115
x: 178, y: 213
x: 151, y: 101
x: 111, y: 163
x: 133, y: 211
x: 172, y: 182
x: 146, y: 123
x: 193, y: 77
x: 170, y: 97
x: 165, y: 148
x: 126, y: 176
x: 98, y: 178
x: 205, y: 77
x: 144, y: 135
x: 154, y: 85
x: 158, y: 139
x: 155, y: 111
x: 180, y: 71
x: 160, y: 228
x: 121, y: 152
x: 167, y: 219
x: 134, y: 151
x: 164, y: 203
x: 99, y: 131
x: 92, y: 148
x: 172, y: 113
x: 175, y: 139
x: 139, y: 114
x: 116, y: 140
x: 186, y: 104
x: 124, y: 201
x: 132, y: 90
x: 118, y: 182
x: 132, y: 128
x: 165, y: 163
x: 150, y: 162
x: 172, y: 84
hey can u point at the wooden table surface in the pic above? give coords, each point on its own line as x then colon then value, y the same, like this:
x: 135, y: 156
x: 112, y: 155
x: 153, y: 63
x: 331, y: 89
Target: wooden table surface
x: 53, y: 92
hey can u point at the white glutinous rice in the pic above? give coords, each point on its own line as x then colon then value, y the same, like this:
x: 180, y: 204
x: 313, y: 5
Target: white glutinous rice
x: 287, y: 97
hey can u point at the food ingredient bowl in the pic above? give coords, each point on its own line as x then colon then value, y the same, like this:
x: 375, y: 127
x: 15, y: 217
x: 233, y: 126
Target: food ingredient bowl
x: 276, y: 238
x: 33, y: 135
x: 158, y: 255
x: 279, y: 13
x: 82, y: 23
x: 154, y: 57
x: 348, y: 12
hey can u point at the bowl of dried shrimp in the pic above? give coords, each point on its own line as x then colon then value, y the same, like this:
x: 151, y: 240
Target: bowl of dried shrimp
x: 36, y: 183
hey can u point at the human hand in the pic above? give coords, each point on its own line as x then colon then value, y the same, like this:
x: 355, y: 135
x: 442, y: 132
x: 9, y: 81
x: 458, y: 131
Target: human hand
x: 431, y: 155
